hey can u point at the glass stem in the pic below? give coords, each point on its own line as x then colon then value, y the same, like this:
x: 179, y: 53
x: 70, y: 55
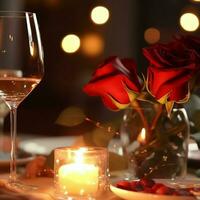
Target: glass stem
x: 1, y: 134
x: 1, y: 124
x: 13, y: 131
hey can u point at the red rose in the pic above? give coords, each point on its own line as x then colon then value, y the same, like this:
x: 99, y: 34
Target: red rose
x: 172, y: 67
x: 190, y: 42
x: 116, y: 82
x: 193, y: 43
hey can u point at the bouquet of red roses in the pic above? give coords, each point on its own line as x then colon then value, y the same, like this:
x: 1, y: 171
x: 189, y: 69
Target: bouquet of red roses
x: 173, y: 73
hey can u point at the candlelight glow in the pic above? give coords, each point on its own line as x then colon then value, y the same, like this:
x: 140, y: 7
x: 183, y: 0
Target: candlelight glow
x: 79, y: 178
x: 70, y: 43
x: 142, y: 136
x: 189, y: 22
x: 100, y: 15
x: 79, y: 155
x: 80, y: 172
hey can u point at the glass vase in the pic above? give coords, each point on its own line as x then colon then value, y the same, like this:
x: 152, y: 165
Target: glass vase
x: 156, y: 142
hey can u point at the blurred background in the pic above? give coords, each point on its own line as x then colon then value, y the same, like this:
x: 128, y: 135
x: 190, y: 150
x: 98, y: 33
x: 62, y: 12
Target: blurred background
x: 77, y: 35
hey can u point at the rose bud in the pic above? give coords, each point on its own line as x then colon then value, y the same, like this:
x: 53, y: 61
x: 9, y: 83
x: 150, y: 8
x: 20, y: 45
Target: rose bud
x: 171, y: 69
x: 190, y: 42
x: 116, y: 82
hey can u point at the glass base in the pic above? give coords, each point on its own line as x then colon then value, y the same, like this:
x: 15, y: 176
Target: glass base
x: 65, y: 197
x: 185, y: 183
x: 20, y: 186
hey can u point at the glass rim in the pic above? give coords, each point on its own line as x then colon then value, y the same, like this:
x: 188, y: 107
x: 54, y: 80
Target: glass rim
x: 146, y: 107
x: 89, y: 149
x: 13, y: 13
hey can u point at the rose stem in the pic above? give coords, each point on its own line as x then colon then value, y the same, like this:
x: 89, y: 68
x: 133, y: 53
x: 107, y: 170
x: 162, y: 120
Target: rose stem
x: 135, y: 104
x: 155, y: 119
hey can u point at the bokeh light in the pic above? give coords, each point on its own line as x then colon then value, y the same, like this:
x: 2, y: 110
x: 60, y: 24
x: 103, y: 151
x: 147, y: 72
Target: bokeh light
x: 189, y: 22
x: 152, y: 35
x: 100, y: 15
x: 70, y: 43
x: 92, y: 44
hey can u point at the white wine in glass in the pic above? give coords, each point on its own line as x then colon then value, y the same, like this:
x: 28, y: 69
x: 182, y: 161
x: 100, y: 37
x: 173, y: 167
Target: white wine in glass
x: 21, y: 67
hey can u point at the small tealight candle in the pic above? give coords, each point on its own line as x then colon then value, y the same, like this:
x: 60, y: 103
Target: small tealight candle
x: 83, y: 178
x: 80, y: 172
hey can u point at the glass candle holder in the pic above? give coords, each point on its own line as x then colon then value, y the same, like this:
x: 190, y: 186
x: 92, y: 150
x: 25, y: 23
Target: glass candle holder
x: 80, y: 173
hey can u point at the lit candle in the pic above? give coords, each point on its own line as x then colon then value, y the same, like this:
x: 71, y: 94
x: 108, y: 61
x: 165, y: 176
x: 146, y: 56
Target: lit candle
x: 78, y: 178
x: 142, y: 136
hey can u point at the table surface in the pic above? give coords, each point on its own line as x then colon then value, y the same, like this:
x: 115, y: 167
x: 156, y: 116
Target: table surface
x: 45, y: 189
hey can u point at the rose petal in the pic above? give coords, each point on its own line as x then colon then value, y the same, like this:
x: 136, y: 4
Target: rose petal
x: 116, y: 82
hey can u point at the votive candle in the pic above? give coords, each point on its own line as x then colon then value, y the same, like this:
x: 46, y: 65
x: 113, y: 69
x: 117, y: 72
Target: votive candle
x: 80, y: 172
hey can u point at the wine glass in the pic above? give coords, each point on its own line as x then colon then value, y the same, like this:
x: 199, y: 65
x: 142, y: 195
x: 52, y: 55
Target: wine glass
x: 21, y: 67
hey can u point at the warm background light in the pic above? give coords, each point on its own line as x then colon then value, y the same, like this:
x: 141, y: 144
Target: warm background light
x: 152, y: 35
x: 100, y: 15
x: 189, y: 22
x: 70, y: 43
x: 92, y: 44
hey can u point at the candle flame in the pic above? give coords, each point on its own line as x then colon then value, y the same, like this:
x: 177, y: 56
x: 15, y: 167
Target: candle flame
x: 79, y: 155
x: 142, y: 136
